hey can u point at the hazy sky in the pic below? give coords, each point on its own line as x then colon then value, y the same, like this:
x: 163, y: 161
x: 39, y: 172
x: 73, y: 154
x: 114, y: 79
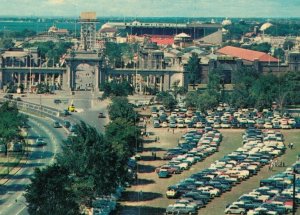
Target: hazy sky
x: 160, y: 8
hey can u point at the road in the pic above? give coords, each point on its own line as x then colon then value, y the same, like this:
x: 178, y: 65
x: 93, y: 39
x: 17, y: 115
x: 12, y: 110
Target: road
x: 11, y: 199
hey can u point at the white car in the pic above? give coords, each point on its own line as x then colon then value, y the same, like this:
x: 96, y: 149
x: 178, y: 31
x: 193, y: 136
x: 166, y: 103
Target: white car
x: 285, y: 126
x: 164, y: 125
x: 225, y: 125
x: 199, y: 125
x: 213, y: 191
x: 268, y: 125
x: 234, y: 209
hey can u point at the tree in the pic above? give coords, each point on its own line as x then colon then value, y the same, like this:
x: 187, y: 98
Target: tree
x: 178, y: 90
x: 243, y: 80
x: 121, y: 108
x: 288, y: 45
x: 116, y: 88
x: 262, y: 47
x: 93, y: 163
x: 194, y: 69
x: 6, y: 43
x: 50, y: 192
x: 279, y: 53
x: 263, y: 91
x: 10, y: 122
x: 124, y: 136
x: 166, y: 99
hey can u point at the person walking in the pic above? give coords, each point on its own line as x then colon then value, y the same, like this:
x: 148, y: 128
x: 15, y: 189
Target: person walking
x: 292, y: 145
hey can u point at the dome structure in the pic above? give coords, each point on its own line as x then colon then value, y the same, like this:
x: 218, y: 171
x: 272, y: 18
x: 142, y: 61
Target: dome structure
x: 226, y: 22
x: 106, y: 25
x: 265, y: 26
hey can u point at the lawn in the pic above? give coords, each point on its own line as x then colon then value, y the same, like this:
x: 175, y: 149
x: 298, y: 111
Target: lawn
x: 148, y: 197
x: 8, y: 162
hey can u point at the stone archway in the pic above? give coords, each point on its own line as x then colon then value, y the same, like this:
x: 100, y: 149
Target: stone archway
x: 85, y: 77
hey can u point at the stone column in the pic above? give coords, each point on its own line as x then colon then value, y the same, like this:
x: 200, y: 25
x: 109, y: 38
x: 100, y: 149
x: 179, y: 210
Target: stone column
x: 147, y: 80
x: 160, y: 83
x: 59, y: 79
x: 46, y: 78
x: 25, y: 80
x: 167, y: 79
x: 40, y: 77
x: 52, y: 79
x: 141, y: 78
x: 19, y: 79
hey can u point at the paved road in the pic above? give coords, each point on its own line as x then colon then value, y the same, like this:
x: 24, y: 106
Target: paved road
x: 40, y: 156
x: 89, y: 107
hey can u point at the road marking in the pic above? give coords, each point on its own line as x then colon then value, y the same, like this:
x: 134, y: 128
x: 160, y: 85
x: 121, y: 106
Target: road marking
x: 21, y: 210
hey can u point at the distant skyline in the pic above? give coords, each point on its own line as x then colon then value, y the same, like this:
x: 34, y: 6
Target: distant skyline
x: 153, y: 8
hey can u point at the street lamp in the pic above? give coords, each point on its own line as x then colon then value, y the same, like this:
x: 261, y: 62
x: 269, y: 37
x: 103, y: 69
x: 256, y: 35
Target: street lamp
x: 294, y: 191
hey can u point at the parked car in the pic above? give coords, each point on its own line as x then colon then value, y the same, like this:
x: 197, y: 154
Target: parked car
x: 56, y: 124
x: 101, y: 115
x: 66, y: 124
x: 40, y: 142
x: 57, y: 101
x: 234, y: 209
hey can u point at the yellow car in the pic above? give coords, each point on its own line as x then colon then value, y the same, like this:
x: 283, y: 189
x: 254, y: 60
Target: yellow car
x: 71, y: 108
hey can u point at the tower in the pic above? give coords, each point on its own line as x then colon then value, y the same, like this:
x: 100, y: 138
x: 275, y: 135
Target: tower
x: 88, y: 30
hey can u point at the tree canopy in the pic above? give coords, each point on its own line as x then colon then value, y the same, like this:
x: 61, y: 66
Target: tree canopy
x: 121, y: 108
x: 10, y: 122
x: 194, y: 69
x: 116, y: 88
x: 50, y: 192
x: 166, y: 99
x: 51, y: 51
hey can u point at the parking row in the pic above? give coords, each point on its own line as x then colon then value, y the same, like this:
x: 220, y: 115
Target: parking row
x: 274, y: 196
x: 259, y: 149
x: 222, y: 117
x: 194, y: 146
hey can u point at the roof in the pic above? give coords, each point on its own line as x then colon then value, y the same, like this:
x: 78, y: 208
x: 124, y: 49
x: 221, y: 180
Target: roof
x: 17, y: 54
x: 162, y: 40
x: 88, y: 15
x: 246, y: 54
x: 107, y: 30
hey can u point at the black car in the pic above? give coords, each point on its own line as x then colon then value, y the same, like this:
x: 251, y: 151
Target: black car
x: 196, y: 196
x: 56, y: 124
x: 57, y: 101
x: 101, y: 115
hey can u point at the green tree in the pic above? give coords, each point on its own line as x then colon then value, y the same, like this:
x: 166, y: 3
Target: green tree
x: 178, y: 90
x: 279, y: 53
x: 116, y: 88
x: 121, y: 108
x: 263, y: 91
x: 10, y: 122
x: 6, y: 43
x: 124, y: 136
x: 50, y: 192
x: 93, y: 163
x: 288, y: 45
x: 262, y: 47
x: 194, y: 69
x: 166, y: 99
x: 243, y: 80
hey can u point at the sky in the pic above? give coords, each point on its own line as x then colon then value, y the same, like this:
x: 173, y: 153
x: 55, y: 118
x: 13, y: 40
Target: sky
x: 153, y: 8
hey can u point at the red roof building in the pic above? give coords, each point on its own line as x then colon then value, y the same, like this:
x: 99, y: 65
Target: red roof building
x: 246, y: 54
x: 162, y: 39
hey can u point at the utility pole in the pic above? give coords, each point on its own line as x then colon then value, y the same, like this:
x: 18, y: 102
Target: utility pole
x: 294, y: 192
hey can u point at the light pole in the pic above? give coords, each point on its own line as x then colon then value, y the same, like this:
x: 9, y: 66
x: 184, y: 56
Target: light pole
x: 294, y: 191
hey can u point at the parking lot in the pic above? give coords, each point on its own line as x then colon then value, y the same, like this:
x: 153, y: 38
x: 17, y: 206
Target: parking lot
x: 148, y: 195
